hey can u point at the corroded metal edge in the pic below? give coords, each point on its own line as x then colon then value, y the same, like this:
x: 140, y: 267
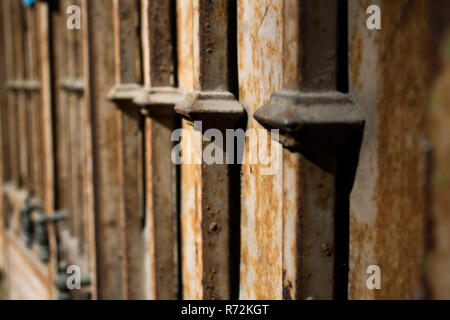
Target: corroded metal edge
x: 17, y: 85
x: 212, y: 107
x: 311, y: 120
x: 158, y: 101
x: 121, y: 92
x: 75, y: 85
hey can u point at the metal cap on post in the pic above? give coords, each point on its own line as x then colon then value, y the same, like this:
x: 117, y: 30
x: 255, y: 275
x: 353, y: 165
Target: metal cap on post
x: 311, y: 112
x: 316, y: 117
x: 212, y: 99
x: 213, y: 103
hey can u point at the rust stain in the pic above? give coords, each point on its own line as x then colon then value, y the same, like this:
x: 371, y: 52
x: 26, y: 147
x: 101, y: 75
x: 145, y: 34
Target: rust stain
x: 185, y: 45
x: 387, y: 205
x: 356, y: 59
x: 260, y: 74
x: 438, y: 130
x: 401, y: 109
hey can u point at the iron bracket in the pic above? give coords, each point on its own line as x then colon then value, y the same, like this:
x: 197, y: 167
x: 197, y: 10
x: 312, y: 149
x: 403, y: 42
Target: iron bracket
x: 215, y: 108
x: 312, y: 122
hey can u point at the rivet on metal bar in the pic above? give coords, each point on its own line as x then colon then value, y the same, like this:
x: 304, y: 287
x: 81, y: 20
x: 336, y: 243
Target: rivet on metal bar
x: 213, y: 103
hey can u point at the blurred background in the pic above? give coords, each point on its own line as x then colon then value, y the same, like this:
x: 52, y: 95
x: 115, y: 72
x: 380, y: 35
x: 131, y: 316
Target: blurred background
x: 91, y: 91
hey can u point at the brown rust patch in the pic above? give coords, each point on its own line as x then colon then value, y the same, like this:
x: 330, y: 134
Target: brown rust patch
x: 260, y: 74
x: 399, y: 242
x: 438, y: 129
x: 356, y: 59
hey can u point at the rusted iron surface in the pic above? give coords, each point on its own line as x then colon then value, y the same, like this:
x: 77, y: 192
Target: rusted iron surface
x: 12, y: 122
x: 315, y: 119
x: 158, y: 39
x: 438, y: 117
x: 260, y: 48
x: 387, y: 203
x: 206, y: 204
x: 158, y: 99
x: 70, y: 149
x: 187, y: 179
x: 162, y: 207
x: 17, y: 16
x: 134, y: 276
x: 45, y: 126
x: 102, y: 135
x: 185, y: 45
x: 4, y: 137
x: 126, y: 22
x: 130, y: 152
x: 311, y: 69
x: 438, y: 128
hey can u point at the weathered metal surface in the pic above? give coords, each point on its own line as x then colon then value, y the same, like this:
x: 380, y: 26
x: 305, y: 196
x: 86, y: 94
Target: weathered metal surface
x: 317, y: 120
x: 158, y: 22
x: 134, y: 274
x: 70, y: 151
x: 438, y: 117
x: 4, y: 137
x: 150, y: 221
x: 135, y: 284
x: 17, y: 15
x: 387, y: 202
x: 260, y: 48
x: 112, y: 168
x: 206, y: 219
x: 46, y: 127
x: 158, y: 99
x: 12, y: 123
x: 312, y: 122
x: 187, y: 179
x: 30, y: 96
x: 126, y: 23
x: 102, y: 148
x: 162, y: 207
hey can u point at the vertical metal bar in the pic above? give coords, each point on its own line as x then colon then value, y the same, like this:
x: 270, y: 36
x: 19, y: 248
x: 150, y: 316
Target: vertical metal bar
x: 78, y: 153
x: 4, y: 162
x: 61, y: 61
x: 71, y: 128
x: 157, y: 99
x: 316, y: 120
x: 311, y: 68
x: 10, y: 73
x: 46, y: 126
x: 437, y: 194
x: 18, y: 45
x: 102, y: 149
x: 134, y: 275
x: 260, y: 49
x: 213, y: 104
x: 30, y: 110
